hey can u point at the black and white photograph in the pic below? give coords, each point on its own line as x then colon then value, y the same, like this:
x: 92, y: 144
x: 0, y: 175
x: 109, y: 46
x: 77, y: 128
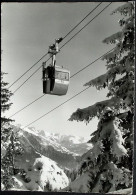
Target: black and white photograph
x: 67, y: 97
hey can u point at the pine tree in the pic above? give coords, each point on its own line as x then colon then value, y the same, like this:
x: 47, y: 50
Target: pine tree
x: 109, y: 162
x: 48, y: 187
x: 10, y: 145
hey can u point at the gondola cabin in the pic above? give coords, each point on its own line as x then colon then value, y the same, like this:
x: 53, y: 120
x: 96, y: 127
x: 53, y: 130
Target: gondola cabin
x: 55, y: 80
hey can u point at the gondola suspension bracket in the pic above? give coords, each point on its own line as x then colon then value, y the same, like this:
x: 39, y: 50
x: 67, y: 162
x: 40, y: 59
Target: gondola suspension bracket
x: 55, y: 78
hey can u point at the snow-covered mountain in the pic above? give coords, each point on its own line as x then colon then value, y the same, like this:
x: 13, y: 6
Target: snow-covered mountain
x: 45, y: 158
x: 77, y: 145
x: 39, y: 174
x: 63, y: 149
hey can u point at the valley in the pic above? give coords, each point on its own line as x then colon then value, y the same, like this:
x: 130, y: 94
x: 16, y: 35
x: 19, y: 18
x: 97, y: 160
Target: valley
x: 46, y: 159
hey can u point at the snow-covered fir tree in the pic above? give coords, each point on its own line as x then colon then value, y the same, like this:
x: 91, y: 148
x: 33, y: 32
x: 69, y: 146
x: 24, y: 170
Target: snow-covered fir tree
x: 10, y: 145
x: 109, y: 162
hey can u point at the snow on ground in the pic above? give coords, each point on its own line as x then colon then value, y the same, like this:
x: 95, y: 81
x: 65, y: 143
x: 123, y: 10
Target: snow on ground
x: 47, y: 139
x: 42, y: 174
x: 123, y: 191
x: 72, y: 145
x: 79, y: 185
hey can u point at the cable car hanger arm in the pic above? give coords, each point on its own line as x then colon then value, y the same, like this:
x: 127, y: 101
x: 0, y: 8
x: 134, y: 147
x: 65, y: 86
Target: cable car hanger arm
x: 54, y: 49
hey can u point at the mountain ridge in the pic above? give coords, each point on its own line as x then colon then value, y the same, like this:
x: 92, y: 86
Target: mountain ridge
x: 60, y: 148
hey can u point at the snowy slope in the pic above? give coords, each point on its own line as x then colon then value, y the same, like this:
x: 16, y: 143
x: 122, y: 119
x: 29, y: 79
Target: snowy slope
x: 63, y: 143
x: 48, y: 147
x: 75, y: 144
x: 124, y: 191
x: 79, y: 185
x: 59, y: 148
x: 43, y: 157
x: 41, y: 174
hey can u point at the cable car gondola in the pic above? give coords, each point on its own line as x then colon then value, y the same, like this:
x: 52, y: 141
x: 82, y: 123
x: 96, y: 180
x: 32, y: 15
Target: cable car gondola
x: 55, y: 78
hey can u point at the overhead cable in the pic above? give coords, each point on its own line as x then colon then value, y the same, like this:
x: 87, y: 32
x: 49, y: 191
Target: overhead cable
x: 57, y: 107
x: 81, y: 20
x: 27, y: 70
x: 47, y: 52
x: 27, y: 105
x: 62, y: 47
x: 70, y: 77
x: 86, y: 25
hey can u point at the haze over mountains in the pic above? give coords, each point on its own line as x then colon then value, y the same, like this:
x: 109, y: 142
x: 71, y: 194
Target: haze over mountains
x: 51, y: 162
x: 65, y: 150
x: 45, y: 158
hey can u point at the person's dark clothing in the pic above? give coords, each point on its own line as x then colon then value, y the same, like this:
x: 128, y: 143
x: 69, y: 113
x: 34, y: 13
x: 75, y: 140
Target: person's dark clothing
x: 51, y: 75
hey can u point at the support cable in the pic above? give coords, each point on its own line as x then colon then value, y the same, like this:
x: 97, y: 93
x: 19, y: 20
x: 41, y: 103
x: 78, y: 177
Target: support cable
x: 81, y: 21
x: 70, y: 77
x: 27, y: 105
x: 27, y: 70
x: 62, y: 47
x: 57, y: 107
x: 47, y: 52
x: 86, y: 25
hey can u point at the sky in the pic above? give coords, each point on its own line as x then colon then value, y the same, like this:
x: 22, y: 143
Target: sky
x: 27, y: 31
